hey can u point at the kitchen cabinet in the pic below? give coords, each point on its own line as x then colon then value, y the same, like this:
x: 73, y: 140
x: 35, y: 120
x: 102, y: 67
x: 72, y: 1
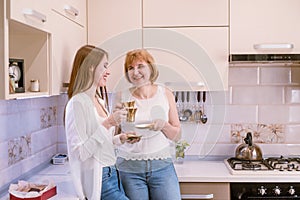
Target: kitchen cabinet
x: 33, y: 13
x: 264, y: 26
x: 134, y: 28
x: 196, y: 61
x: 70, y: 16
x: 195, y: 190
x: 24, y: 37
x: 44, y: 36
x: 170, y: 13
x: 115, y: 26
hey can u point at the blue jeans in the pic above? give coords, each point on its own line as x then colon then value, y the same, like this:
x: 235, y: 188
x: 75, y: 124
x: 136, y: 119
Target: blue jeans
x: 158, y: 181
x: 111, y: 185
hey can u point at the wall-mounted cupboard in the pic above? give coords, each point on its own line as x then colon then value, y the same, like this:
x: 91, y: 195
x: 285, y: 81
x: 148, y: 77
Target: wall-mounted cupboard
x: 264, y: 26
x: 166, y: 28
x: 43, y: 42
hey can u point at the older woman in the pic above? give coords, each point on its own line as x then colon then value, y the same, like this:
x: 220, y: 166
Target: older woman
x: 146, y: 168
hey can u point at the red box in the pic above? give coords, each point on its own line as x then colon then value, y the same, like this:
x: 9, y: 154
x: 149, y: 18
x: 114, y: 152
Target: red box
x: 46, y: 195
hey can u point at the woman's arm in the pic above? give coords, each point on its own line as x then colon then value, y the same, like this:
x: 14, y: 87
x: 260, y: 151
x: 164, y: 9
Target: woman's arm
x: 172, y: 128
x: 80, y: 144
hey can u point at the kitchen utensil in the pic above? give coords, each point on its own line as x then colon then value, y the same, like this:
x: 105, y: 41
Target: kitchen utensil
x: 198, y: 113
x: 248, y: 150
x: 182, y: 117
x: 203, y: 117
x: 187, y: 112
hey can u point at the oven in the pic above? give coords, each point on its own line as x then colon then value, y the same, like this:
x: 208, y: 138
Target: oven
x: 265, y: 190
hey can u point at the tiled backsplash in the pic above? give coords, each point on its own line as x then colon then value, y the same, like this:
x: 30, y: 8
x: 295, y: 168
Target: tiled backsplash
x: 29, y: 134
x: 264, y: 100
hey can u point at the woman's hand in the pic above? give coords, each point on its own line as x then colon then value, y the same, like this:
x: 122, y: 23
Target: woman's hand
x: 158, y: 125
x: 129, y: 137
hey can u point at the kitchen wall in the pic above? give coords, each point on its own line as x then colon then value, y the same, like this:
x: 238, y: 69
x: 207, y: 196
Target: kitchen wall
x: 263, y: 99
x: 31, y: 131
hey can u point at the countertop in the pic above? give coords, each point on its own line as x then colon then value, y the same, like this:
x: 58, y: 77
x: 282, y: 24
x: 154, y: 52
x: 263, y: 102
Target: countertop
x: 190, y: 171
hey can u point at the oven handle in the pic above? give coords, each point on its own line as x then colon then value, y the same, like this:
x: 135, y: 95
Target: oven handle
x: 197, y: 196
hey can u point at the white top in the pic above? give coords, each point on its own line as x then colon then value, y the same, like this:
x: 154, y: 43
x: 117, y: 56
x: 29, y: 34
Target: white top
x: 153, y: 144
x: 90, y: 145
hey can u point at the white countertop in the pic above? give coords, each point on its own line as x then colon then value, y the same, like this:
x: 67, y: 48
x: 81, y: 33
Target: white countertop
x: 216, y: 171
x: 189, y: 171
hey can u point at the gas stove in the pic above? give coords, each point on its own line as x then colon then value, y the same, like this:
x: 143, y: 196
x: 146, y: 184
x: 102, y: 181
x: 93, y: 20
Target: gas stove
x: 268, y: 166
x: 271, y: 165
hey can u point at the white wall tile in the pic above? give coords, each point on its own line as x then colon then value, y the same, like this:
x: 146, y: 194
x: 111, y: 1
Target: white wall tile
x: 272, y: 114
x: 3, y: 155
x: 292, y: 95
x: 293, y: 134
x: 43, y: 139
x: 274, y: 75
x: 241, y: 114
x: 243, y: 76
x: 294, y: 114
x: 295, y: 75
x: 257, y: 95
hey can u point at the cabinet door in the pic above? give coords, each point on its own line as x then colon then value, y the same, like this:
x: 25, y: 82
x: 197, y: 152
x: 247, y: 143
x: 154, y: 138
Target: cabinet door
x: 115, y: 26
x: 67, y: 38
x: 34, y: 13
x: 218, y: 191
x: 74, y: 10
x: 157, y: 13
x: 254, y: 23
x: 190, y: 58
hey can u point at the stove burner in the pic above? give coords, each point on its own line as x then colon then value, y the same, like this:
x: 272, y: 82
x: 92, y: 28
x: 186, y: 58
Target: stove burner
x: 251, y: 166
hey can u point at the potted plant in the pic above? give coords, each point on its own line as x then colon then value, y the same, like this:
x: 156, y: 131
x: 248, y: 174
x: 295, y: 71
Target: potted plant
x: 180, y: 150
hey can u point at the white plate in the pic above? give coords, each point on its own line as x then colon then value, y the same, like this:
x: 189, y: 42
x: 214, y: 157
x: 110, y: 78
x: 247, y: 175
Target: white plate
x: 143, y: 126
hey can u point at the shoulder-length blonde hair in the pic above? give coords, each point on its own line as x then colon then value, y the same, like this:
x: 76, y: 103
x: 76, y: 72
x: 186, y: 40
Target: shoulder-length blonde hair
x: 85, y: 62
x: 141, y: 55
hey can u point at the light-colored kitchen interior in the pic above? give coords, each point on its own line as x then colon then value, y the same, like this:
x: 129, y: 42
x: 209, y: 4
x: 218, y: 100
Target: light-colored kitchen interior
x: 260, y: 97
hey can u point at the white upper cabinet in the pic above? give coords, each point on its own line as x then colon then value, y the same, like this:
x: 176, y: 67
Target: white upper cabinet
x: 190, y: 58
x: 166, y: 13
x: 69, y: 33
x: 115, y: 26
x: 75, y: 10
x: 34, y: 13
x: 25, y: 48
x: 191, y: 42
x: 38, y: 42
x: 264, y: 26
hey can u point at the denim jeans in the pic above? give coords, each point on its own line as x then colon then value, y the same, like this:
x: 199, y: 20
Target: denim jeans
x: 154, y: 183
x: 111, y: 185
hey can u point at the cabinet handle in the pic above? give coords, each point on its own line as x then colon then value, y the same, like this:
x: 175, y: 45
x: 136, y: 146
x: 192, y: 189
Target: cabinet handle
x: 71, y: 10
x: 35, y: 14
x: 197, y: 196
x: 273, y: 46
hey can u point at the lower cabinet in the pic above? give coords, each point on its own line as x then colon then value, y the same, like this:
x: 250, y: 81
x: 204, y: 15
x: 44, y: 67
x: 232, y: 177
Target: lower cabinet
x: 194, y: 190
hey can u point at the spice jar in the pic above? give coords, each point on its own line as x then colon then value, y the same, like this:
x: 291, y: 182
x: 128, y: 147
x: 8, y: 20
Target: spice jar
x: 34, y: 85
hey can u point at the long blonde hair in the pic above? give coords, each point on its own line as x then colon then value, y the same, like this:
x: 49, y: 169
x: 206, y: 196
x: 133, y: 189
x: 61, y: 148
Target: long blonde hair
x: 86, y: 60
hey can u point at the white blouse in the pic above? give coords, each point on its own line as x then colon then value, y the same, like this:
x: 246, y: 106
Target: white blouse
x: 90, y: 145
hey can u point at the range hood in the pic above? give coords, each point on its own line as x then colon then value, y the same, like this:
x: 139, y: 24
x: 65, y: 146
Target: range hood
x: 264, y: 58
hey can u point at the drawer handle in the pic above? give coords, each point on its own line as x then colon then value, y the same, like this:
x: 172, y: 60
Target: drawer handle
x: 273, y: 46
x: 35, y: 14
x: 71, y: 10
x: 197, y: 196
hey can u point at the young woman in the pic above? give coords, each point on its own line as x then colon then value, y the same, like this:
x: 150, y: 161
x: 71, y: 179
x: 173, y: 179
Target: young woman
x: 90, y: 128
x: 146, y: 168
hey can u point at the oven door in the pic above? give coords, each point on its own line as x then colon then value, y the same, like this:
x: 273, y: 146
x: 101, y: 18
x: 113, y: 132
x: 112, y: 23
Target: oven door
x: 244, y: 191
